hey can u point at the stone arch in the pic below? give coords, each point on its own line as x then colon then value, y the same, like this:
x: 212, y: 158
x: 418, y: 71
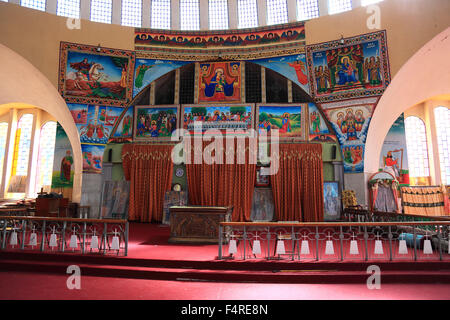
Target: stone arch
x: 23, y: 83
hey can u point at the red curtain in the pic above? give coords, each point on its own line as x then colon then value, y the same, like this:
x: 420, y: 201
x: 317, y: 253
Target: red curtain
x: 298, y: 185
x: 229, y: 183
x: 149, y: 170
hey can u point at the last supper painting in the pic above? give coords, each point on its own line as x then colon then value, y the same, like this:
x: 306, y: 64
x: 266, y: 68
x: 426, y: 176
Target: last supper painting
x: 95, y: 76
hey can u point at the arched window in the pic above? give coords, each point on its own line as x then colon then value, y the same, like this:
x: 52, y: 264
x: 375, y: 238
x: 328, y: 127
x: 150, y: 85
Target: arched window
x: 190, y: 14
x: 277, y: 12
x: 3, y: 135
x: 218, y: 14
x: 307, y: 9
x: 442, y: 119
x: 338, y: 6
x: 132, y: 13
x: 22, y: 145
x: 416, y: 144
x: 34, y: 4
x: 68, y: 8
x: 45, y: 156
x: 101, y: 11
x: 247, y: 14
x: 160, y: 18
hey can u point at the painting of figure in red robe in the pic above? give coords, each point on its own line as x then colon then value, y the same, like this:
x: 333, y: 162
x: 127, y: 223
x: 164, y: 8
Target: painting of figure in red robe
x: 220, y: 82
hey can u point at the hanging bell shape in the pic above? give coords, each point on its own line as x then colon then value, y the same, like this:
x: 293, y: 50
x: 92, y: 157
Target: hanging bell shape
x: 329, y: 248
x: 354, y: 247
x: 256, y: 247
x: 73, y: 242
x: 33, y: 239
x: 280, y: 247
x: 402, y: 249
x: 13, y: 239
x: 232, y: 247
x: 94, y: 242
x: 427, y: 249
x: 53, y: 242
x: 378, y: 247
x: 304, y: 248
x: 115, y: 243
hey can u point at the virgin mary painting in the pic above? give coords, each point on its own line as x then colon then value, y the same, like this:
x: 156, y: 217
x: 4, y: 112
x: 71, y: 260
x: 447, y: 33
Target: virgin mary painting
x: 219, y: 82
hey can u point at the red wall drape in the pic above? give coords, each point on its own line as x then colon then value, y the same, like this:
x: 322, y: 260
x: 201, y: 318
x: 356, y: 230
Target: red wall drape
x: 149, y: 170
x: 225, y: 184
x: 298, y: 185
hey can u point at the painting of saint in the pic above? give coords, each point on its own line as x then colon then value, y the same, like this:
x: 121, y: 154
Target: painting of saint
x: 286, y: 119
x: 66, y: 167
x: 92, y: 156
x: 63, y: 170
x: 220, y: 82
x: 346, y: 72
x: 332, y: 202
x: 156, y: 123
x: 95, y: 75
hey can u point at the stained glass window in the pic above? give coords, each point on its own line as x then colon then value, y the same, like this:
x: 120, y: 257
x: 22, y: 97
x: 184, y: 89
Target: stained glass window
x: 277, y: 12
x: 34, y: 4
x: 101, y: 11
x: 190, y: 14
x: 68, y: 8
x: 416, y: 144
x: 22, y: 145
x: 45, y: 156
x: 3, y: 135
x: 337, y: 6
x: 132, y: 13
x: 218, y: 14
x: 160, y: 14
x: 247, y: 14
x: 442, y: 119
x: 307, y: 9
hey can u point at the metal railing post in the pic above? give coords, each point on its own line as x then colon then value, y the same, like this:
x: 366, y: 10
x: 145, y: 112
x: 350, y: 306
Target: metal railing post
x: 341, y: 239
x: 63, y: 236
x: 245, y: 241
x: 366, y: 236
x: 127, y: 229
x: 390, y: 243
x: 44, y: 225
x: 219, y: 256
x: 415, y: 244
x: 24, y: 231
x: 317, y: 243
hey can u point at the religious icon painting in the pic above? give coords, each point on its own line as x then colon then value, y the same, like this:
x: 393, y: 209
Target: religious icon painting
x: 63, y: 169
x: 351, y: 68
x: 288, y: 120
x: 156, y: 123
x: 92, y: 157
x: 318, y: 128
x: 218, y: 119
x: 123, y: 129
x: 220, y: 82
x: 331, y: 201
x: 95, y: 75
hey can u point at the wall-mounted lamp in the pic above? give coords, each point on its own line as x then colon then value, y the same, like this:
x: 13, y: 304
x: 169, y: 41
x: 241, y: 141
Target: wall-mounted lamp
x: 342, y: 39
x: 99, y: 48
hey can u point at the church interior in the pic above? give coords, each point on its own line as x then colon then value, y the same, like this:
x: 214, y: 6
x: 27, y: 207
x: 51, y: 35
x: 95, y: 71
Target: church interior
x: 224, y: 149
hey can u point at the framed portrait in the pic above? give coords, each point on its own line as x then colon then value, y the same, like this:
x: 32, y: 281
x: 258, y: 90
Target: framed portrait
x: 331, y: 201
x: 288, y: 119
x: 95, y: 75
x: 210, y: 119
x: 261, y: 179
x: 156, y: 123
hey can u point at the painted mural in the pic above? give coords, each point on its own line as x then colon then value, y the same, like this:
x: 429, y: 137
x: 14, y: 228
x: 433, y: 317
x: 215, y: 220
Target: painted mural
x: 92, y: 155
x: 351, y: 121
x: 357, y: 67
x: 318, y: 129
x: 123, y: 131
x: 94, y: 123
x: 148, y: 70
x: 217, y: 118
x: 92, y: 75
x: 264, y: 36
x: 156, y: 122
x: 292, y: 67
x: 394, y: 156
x: 63, y: 168
x: 219, y: 82
x: 287, y: 119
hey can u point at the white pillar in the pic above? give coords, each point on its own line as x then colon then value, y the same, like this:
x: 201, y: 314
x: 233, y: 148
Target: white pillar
x: 33, y: 155
x: 117, y: 12
x: 323, y: 7
x: 85, y: 9
x: 50, y: 6
x: 262, y: 13
x: 292, y: 10
x: 175, y: 12
x: 9, y: 151
x: 232, y: 14
x: 146, y: 8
